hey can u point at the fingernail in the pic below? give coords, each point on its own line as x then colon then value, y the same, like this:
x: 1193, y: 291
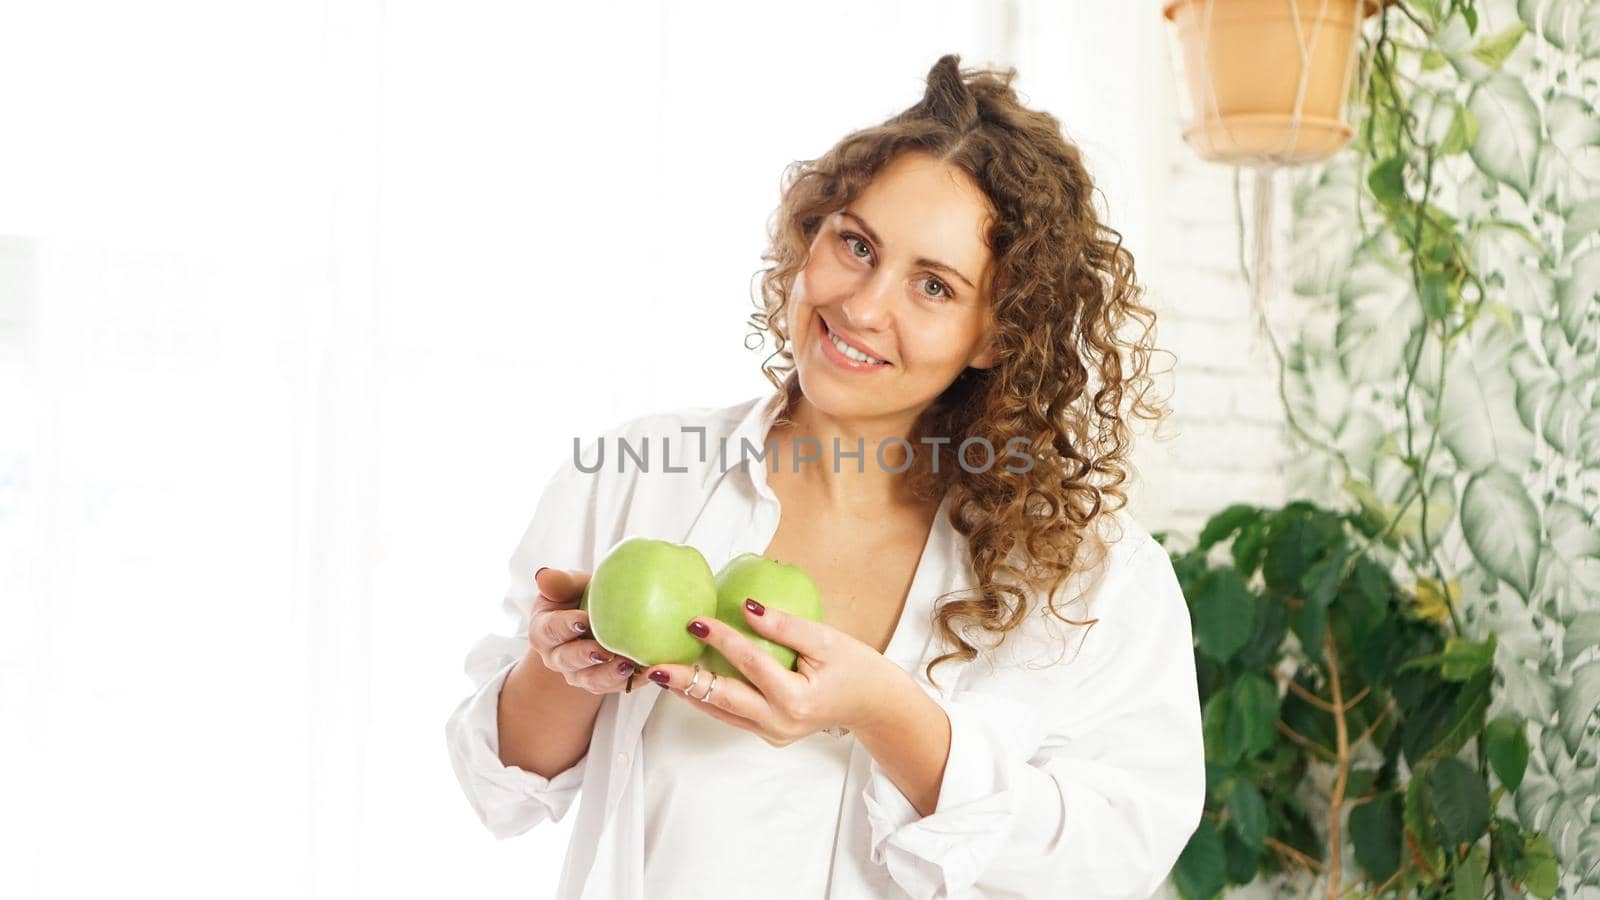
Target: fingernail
x: 698, y: 629
x: 754, y: 607
x: 536, y: 574
x: 580, y: 627
x: 659, y: 677
x: 598, y: 657
x: 625, y: 667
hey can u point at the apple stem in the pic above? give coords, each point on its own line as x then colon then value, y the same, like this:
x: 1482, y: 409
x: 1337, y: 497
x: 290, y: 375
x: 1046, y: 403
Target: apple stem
x: 628, y: 688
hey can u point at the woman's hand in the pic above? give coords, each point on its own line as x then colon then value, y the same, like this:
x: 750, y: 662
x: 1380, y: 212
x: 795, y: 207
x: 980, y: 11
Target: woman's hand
x: 837, y: 680
x: 559, y: 632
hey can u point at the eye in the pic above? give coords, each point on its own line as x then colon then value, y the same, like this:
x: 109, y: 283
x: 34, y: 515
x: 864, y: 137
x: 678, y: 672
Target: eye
x: 847, y: 237
x: 944, y: 289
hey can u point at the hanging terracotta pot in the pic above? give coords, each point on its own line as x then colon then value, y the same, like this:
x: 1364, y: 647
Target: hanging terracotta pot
x: 1268, y: 78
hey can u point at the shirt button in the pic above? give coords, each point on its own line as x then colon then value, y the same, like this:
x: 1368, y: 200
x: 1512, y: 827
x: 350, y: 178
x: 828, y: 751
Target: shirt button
x: 622, y: 759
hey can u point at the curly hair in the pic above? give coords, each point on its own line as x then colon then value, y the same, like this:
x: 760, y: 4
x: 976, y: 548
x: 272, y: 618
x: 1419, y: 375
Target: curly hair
x: 1061, y: 289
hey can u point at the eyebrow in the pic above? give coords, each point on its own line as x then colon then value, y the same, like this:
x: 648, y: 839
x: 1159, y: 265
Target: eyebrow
x: 930, y: 263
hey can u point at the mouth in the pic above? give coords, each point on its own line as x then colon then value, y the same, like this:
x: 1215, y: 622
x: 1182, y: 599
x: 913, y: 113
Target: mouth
x: 847, y: 351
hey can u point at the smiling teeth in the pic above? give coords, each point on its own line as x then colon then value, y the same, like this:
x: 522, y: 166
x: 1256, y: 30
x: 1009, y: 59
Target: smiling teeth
x: 852, y: 352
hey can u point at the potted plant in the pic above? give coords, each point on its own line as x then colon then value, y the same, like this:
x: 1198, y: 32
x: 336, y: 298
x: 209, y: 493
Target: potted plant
x: 1267, y: 79
x: 1419, y: 680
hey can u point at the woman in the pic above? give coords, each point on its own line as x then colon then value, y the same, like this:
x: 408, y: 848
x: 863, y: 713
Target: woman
x: 941, y: 295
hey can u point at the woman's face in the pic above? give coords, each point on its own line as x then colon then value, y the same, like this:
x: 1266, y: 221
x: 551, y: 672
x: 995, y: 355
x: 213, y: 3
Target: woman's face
x: 895, y: 274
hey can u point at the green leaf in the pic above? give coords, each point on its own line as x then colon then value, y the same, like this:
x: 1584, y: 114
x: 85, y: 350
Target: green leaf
x: 1576, y: 702
x: 1469, y: 875
x: 1508, y: 846
x: 1460, y: 800
x: 1462, y: 133
x: 1248, y: 546
x: 1581, y: 634
x: 1501, y: 526
x: 1494, y: 50
x: 1426, y: 721
x: 1419, y: 820
x: 1359, y: 782
x: 1243, y: 863
x: 1460, y: 660
x: 1582, y: 220
x: 1387, y: 181
x: 1222, y: 526
x: 1571, y: 25
x: 1252, y: 716
x: 1200, y: 873
x: 1382, y: 651
x: 1541, y: 872
x: 1267, y: 638
x: 1478, y: 419
x: 1508, y: 131
x: 1321, y: 581
x: 1247, y: 815
x: 1572, y: 123
x: 1214, y: 723
x: 1224, y: 614
x: 1505, y: 742
x: 1466, y: 719
x: 1310, y: 624
x: 1376, y: 828
x: 1435, y: 296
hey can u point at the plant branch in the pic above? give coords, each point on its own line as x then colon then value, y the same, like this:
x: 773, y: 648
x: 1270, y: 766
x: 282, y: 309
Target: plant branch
x: 1293, y: 854
x: 1342, y: 767
x: 1353, y: 702
x: 1367, y: 732
x: 1300, y: 691
x: 1302, y: 740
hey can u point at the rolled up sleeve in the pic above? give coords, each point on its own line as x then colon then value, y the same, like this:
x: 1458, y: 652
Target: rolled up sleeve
x: 1081, y: 781
x: 507, y: 799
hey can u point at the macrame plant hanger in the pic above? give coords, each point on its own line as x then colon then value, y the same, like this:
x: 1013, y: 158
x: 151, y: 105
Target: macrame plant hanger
x: 1238, y: 139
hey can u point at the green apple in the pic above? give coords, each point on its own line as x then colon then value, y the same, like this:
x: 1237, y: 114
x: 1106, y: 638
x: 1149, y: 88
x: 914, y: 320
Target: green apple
x: 775, y: 585
x: 641, y: 597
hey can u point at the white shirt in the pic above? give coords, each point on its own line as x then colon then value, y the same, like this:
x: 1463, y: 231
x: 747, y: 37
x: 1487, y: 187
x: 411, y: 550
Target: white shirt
x: 1076, y: 765
x: 725, y: 811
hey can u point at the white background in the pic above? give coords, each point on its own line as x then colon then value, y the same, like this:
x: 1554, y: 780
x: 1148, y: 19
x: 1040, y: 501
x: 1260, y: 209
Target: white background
x: 299, y: 305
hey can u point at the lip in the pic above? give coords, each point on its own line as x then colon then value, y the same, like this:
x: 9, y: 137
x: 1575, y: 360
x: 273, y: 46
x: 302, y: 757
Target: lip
x: 840, y: 360
x: 829, y: 329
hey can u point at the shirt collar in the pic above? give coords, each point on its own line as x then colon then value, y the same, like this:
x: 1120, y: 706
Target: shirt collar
x: 753, y: 428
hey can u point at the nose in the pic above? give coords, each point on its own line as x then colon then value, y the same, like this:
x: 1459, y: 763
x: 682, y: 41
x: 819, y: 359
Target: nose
x: 869, y: 307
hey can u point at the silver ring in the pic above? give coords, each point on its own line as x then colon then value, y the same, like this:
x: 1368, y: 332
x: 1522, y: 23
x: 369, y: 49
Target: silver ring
x: 692, y: 680
x: 710, y: 686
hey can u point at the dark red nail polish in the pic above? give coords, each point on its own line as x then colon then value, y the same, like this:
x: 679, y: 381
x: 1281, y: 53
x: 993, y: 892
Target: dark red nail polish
x: 754, y: 607
x: 625, y: 667
x: 699, y: 629
x: 659, y: 677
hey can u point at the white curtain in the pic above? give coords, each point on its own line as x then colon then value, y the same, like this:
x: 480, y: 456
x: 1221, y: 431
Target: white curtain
x: 300, y: 302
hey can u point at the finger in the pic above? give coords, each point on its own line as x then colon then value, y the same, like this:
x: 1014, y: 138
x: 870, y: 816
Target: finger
x: 579, y: 654
x: 798, y: 633
x: 730, y: 694
x: 753, y: 661
x: 563, y: 587
x: 604, y: 678
x: 563, y: 625
x: 710, y: 709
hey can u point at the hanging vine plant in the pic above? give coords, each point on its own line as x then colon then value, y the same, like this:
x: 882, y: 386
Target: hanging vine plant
x: 1400, y: 671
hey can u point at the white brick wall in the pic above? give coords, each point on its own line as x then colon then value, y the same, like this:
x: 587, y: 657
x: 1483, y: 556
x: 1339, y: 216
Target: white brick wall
x: 1225, y: 440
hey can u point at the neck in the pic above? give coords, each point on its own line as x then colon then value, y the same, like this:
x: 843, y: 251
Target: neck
x: 861, y: 486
